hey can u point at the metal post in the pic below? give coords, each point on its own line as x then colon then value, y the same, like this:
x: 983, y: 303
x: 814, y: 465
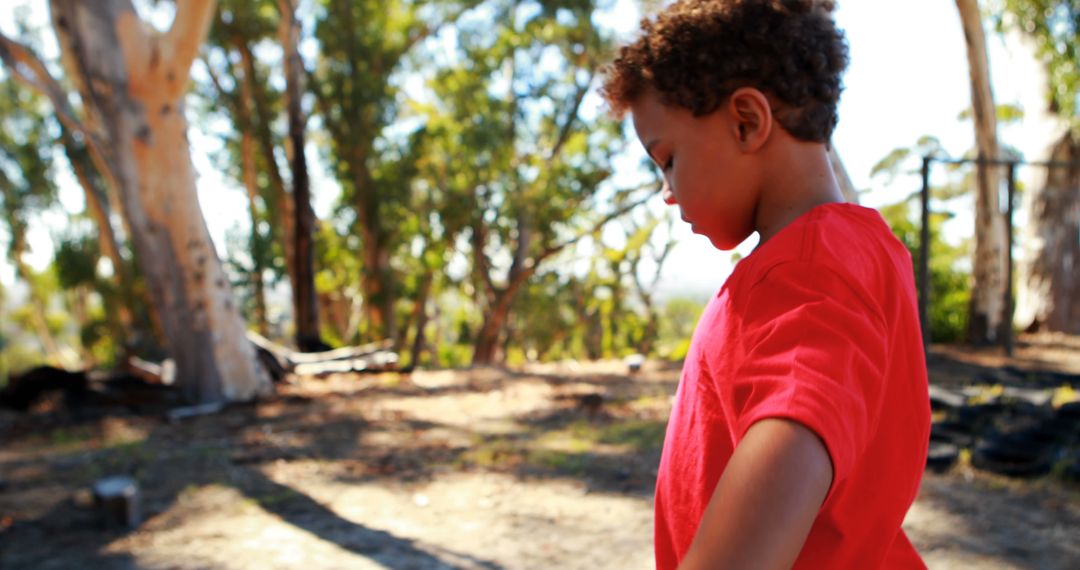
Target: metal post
x: 1007, y: 325
x: 924, y: 255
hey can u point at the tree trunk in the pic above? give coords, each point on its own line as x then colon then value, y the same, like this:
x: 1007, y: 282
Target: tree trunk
x: 419, y: 339
x: 988, y: 265
x: 250, y: 175
x: 98, y: 205
x: 1050, y: 291
x: 260, y: 125
x: 652, y: 328
x: 305, y: 309
x: 335, y: 313
x: 258, y: 287
x: 377, y: 279
x: 487, y: 339
x: 78, y: 301
x: 132, y: 81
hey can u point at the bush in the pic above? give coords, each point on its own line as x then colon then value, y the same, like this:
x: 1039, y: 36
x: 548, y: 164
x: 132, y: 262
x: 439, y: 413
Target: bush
x: 455, y: 355
x: 677, y: 321
x: 950, y: 287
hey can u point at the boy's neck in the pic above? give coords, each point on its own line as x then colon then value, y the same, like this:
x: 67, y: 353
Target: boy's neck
x: 805, y: 182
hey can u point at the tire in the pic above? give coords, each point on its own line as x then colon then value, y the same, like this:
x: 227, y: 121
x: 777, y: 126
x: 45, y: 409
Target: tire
x: 1071, y: 472
x: 957, y: 433
x: 1015, y: 455
x: 941, y: 455
x: 1069, y: 411
x: 980, y: 417
x: 1054, y: 431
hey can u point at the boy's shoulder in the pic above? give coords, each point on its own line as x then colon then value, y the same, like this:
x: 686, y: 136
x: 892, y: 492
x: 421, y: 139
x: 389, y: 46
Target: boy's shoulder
x: 849, y: 241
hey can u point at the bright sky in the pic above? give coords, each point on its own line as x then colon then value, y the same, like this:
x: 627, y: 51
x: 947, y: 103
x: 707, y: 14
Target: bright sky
x: 908, y: 78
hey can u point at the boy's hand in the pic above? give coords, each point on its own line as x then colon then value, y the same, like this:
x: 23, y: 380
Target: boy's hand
x: 765, y: 502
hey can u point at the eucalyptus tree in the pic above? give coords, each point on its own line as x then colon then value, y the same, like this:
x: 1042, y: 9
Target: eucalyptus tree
x: 642, y: 244
x: 117, y: 288
x: 238, y: 91
x: 254, y: 94
x: 533, y: 163
x: 1049, y: 291
x: 363, y: 46
x: 988, y: 264
x: 132, y: 81
x: 26, y: 188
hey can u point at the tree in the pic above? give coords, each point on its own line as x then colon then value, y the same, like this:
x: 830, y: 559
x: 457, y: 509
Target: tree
x: 240, y: 93
x: 132, y: 81
x: 988, y: 264
x: 531, y: 168
x: 26, y: 152
x: 641, y: 245
x: 949, y: 287
x: 26, y: 65
x: 279, y: 196
x: 1049, y: 291
x: 305, y: 307
x: 363, y: 45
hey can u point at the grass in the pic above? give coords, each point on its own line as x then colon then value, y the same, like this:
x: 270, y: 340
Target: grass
x: 641, y: 435
x: 570, y: 450
x: 66, y: 437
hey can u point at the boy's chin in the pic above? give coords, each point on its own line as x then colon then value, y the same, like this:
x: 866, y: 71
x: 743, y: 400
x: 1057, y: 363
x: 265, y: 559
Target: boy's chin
x: 723, y: 243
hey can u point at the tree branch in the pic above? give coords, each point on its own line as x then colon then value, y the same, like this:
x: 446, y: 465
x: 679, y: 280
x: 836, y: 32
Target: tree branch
x: 564, y: 131
x: 26, y: 67
x: 224, y: 94
x: 424, y: 31
x: 185, y: 38
x: 617, y: 213
x: 483, y: 265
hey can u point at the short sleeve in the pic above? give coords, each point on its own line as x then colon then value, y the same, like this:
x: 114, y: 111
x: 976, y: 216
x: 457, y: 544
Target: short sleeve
x: 815, y: 353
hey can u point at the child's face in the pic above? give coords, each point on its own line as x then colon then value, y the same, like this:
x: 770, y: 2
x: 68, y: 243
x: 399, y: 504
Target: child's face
x: 705, y: 171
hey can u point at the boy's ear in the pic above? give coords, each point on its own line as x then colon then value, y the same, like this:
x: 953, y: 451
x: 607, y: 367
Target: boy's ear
x: 752, y: 118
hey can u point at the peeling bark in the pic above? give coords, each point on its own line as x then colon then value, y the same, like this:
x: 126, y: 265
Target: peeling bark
x: 132, y: 81
x: 1050, y: 291
x: 988, y: 265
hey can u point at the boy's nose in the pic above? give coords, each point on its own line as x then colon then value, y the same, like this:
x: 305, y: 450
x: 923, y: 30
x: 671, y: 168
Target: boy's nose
x: 667, y: 195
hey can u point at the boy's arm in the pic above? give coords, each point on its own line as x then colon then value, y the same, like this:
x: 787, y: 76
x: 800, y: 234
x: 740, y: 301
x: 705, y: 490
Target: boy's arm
x: 765, y: 502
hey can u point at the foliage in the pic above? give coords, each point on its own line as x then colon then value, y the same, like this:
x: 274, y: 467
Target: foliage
x: 1054, y: 25
x: 76, y: 260
x: 335, y: 278
x: 241, y: 101
x: 680, y: 315
x: 471, y: 156
x: 545, y: 316
x: 26, y: 142
x: 950, y: 289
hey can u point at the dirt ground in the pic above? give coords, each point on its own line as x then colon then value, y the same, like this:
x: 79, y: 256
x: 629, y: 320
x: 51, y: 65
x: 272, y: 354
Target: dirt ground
x: 550, y: 466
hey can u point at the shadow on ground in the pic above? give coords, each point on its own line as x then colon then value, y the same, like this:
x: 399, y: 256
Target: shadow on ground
x: 606, y: 447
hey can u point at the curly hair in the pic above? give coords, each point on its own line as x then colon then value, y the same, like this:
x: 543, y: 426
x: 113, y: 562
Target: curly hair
x: 696, y: 53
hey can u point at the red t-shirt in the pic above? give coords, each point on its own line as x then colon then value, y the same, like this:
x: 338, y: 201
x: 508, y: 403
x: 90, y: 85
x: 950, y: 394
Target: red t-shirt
x: 819, y: 325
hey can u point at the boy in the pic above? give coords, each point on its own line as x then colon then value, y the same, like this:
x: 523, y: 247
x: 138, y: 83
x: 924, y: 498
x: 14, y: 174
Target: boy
x: 799, y: 431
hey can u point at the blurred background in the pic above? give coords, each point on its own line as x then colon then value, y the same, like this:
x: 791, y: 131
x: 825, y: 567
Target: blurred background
x: 412, y: 235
